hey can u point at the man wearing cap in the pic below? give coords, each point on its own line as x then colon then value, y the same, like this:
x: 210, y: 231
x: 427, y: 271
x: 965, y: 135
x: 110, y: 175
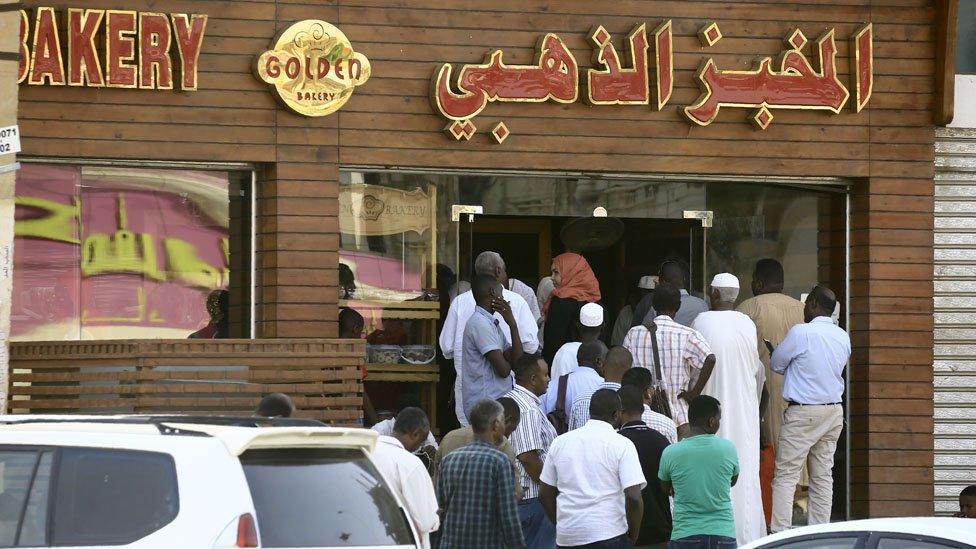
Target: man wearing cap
x: 738, y: 382
x: 590, y: 326
x: 625, y: 319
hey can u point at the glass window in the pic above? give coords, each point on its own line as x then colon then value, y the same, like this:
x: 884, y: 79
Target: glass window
x: 16, y: 470
x: 130, y: 253
x: 106, y: 497
x: 816, y: 542
x: 294, y: 493
x: 966, y: 38
x: 914, y: 543
x: 33, y: 531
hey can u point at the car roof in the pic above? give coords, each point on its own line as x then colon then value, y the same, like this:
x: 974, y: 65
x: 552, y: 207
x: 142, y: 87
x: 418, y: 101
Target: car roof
x: 237, y: 434
x: 954, y: 529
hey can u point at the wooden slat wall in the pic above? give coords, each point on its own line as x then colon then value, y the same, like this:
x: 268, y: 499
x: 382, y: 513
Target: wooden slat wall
x: 887, y: 149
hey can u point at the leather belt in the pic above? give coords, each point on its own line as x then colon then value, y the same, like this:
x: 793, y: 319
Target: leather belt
x: 791, y: 403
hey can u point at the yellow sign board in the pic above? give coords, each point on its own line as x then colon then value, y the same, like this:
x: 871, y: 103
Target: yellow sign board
x: 313, y: 67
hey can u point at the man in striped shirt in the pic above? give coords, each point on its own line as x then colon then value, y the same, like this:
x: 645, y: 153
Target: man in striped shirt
x: 642, y: 380
x: 618, y: 361
x: 530, y: 441
x: 684, y: 354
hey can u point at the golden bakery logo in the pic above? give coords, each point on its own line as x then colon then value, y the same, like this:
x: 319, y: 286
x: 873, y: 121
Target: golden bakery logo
x: 313, y: 67
x: 372, y: 208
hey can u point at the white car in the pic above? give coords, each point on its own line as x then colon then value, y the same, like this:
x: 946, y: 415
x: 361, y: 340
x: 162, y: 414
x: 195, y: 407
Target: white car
x: 888, y: 533
x: 181, y: 482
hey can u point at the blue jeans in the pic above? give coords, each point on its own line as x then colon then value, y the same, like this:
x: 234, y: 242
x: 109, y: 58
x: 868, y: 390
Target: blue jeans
x: 538, y: 530
x: 703, y: 542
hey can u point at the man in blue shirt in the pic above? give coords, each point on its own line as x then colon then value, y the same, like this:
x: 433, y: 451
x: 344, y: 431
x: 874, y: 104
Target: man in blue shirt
x: 487, y: 359
x: 812, y: 359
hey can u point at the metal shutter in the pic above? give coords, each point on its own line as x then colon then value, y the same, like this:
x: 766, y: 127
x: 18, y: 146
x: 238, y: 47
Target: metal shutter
x: 955, y: 315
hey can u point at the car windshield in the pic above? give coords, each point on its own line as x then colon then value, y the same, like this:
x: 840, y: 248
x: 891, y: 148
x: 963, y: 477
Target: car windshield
x: 322, y: 498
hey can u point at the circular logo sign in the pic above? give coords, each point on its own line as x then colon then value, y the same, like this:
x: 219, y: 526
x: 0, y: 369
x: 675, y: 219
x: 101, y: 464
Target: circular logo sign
x: 313, y: 68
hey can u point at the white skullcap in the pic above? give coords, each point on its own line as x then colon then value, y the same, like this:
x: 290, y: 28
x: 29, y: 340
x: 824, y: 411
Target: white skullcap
x: 725, y: 280
x: 591, y: 315
x: 647, y: 282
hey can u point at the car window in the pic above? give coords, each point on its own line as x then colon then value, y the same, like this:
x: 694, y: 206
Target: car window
x: 104, y: 497
x: 16, y: 471
x: 916, y: 543
x: 830, y: 541
x: 322, y: 497
x: 33, y: 530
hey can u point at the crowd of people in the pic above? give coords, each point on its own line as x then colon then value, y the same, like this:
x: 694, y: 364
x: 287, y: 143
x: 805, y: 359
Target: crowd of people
x: 657, y: 440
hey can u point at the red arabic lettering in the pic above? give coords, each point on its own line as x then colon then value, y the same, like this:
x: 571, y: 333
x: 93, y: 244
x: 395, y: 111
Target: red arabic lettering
x: 863, y: 65
x: 615, y: 85
x: 664, y: 68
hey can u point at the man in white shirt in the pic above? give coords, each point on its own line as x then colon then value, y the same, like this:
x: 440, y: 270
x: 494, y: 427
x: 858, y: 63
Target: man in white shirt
x: 427, y: 448
x: 590, y: 326
x: 463, y: 306
x: 406, y: 474
x: 812, y: 358
x: 739, y: 383
x: 587, y: 377
x: 615, y: 366
x: 592, y: 481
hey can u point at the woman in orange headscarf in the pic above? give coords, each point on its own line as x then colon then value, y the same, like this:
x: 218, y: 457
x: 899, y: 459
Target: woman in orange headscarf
x: 576, y: 285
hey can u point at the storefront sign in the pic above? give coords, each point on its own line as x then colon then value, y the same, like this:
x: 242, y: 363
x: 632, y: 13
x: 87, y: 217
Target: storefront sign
x: 313, y: 67
x: 371, y: 210
x: 791, y: 82
x: 140, y: 50
x: 9, y: 140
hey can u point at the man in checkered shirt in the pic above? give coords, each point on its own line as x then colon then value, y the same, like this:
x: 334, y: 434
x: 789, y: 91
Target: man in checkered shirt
x: 618, y: 361
x: 474, y: 488
x: 686, y: 359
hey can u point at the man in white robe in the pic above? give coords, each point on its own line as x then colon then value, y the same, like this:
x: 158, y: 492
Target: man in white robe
x: 739, y: 383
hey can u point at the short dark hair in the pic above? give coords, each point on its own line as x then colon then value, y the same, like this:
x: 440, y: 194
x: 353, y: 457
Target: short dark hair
x: 482, y: 285
x: 590, y: 351
x: 275, y: 405
x: 350, y: 320
x: 511, y: 408
x: 484, y: 413
x: 604, y: 403
x: 702, y: 409
x: 769, y: 271
x: 969, y: 491
x: 407, y: 400
x: 526, y: 365
x: 409, y: 420
x: 673, y: 272
x: 638, y: 377
x: 667, y: 297
x: 824, y: 298
x: 632, y: 399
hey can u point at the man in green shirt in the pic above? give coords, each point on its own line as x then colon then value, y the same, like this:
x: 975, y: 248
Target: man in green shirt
x: 700, y: 472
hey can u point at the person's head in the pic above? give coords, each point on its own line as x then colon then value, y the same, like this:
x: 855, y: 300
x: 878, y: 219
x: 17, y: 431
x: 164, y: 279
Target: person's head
x: 532, y: 373
x: 411, y: 428
x: 632, y: 403
x: 347, y: 280
x: 605, y: 406
x: 351, y: 324
x: 725, y: 290
x: 491, y: 264
x: 820, y: 302
x: 407, y: 400
x: 485, y: 288
x: 618, y: 362
x: 512, y: 414
x: 667, y: 299
x: 591, y: 354
x: 967, y: 502
x: 646, y: 285
x: 705, y: 413
x: 487, y: 419
x: 275, y: 405
x: 218, y: 306
x: 641, y: 379
x: 673, y: 272
x: 767, y: 277
x: 590, y: 321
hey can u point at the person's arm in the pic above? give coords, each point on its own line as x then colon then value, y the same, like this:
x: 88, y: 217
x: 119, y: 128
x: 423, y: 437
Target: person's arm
x: 764, y: 401
x: 634, y: 504
x: 547, y: 497
x: 706, y: 373
x: 512, y: 354
x: 511, y: 526
x: 449, y: 331
x: 421, y: 501
x: 532, y: 464
x: 785, y: 352
x: 502, y: 367
x: 667, y: 488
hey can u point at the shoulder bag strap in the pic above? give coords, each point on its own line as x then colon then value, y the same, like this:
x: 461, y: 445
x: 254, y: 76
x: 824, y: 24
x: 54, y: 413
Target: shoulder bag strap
x: 659, y: 378
x: 561, y: 395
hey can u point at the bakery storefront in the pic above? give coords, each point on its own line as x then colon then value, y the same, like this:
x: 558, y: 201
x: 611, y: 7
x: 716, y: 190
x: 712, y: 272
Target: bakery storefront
x: 247, y: 171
